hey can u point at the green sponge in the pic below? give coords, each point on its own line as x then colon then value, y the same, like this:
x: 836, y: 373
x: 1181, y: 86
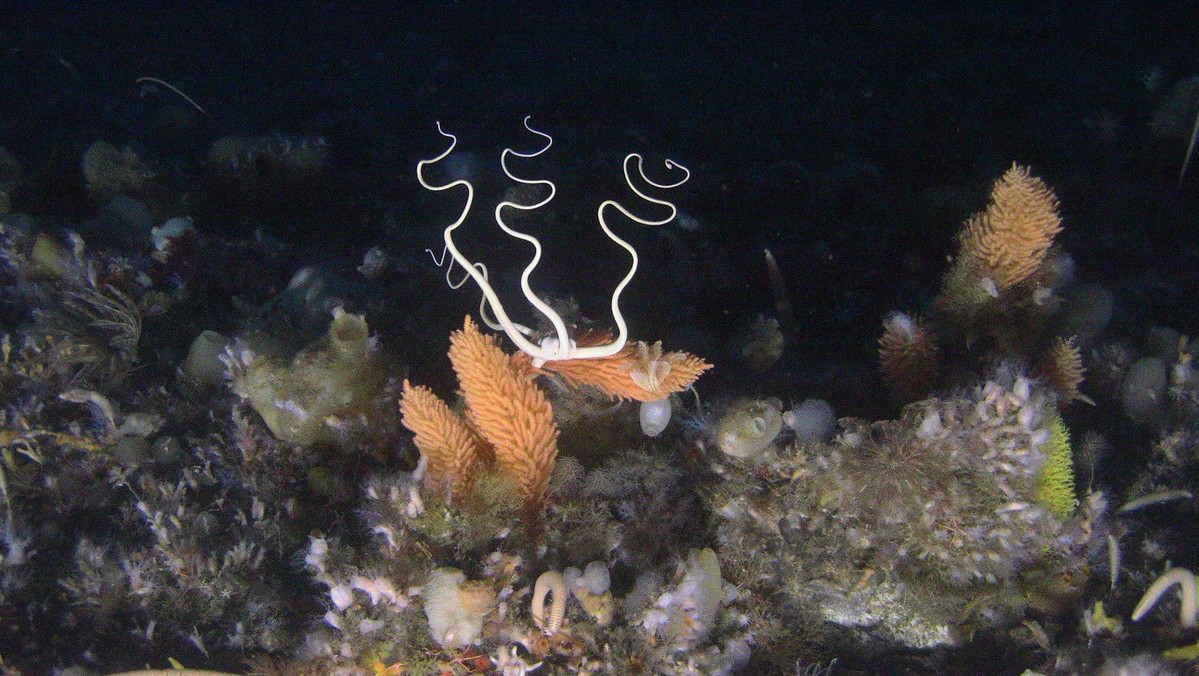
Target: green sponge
x: 1055, y: 480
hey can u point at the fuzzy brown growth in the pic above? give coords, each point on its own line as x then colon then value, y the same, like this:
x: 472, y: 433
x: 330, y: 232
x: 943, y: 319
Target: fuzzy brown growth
x: 1009, y: 240
x: 109, y: 171
x: 452, y: 451
x: 1061, y: 366
x: 908, y: 356
x: 508, y: 410
x: 639, y: 371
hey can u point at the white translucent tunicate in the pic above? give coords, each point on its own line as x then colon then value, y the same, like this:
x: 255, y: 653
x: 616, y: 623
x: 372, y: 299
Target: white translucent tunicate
x: 812, y: 420
x: 749, y: 427
x: 162, y: 235
x: 596, y: 578
x: 655, y: 415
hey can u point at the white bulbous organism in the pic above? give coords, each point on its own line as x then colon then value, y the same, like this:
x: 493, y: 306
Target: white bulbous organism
x: 812, y: 420
x: 655, y: 415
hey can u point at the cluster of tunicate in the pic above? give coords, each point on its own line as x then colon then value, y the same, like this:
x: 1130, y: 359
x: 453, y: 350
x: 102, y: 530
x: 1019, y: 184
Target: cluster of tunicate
x: 1155, y: 384
x: 591, y: 587
x: 683, y: 616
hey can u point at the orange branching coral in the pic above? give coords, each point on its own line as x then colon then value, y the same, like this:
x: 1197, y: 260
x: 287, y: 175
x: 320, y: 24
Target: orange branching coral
x: 1010, y: 239
x: 452, y: 450
x: 908, y: 356
x: 1062, y: 366
x: 507, y: 409
x: 639, y: 371
x: 998, y: 284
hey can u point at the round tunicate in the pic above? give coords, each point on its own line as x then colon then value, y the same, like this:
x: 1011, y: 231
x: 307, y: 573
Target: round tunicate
x: 1143, y: 392
x: 749, y: 427
x: 1085, y: 312
x: 655, y: 415
x: 812, y: 420
x: 203, y: 365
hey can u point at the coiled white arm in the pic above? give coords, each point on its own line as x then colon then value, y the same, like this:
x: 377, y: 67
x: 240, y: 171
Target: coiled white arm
x: 560, y: 345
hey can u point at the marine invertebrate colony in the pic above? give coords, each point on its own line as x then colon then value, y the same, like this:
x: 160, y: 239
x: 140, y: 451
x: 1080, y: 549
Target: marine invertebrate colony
x: 637, y: 371
x: 919, y: 527
x: 508, y: 420
x: 333, y: 391
x: 908, y: 356
x: 1000, y: 300
x: 1009, y: 241
x: 450, y: 449
x: 509, y: 411
x: 1003, y: 268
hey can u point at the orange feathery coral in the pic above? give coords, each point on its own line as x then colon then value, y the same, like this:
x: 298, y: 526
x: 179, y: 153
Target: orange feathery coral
x: 507, y: 409
x: 638, y: 371
x: 1010, y: 239
x: 908, y: 357
x: 1062, y: 366
x: 452, y: 450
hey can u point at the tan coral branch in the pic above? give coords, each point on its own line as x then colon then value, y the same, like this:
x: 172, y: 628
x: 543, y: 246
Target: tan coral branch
x: 452, y: 450
x: 507, y: 409
x: 1009, y: 240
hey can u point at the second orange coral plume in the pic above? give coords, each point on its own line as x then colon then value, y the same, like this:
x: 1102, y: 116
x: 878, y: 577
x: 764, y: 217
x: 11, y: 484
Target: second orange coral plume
x: 508, y: 410
x: 508, y: 418
x: 639, y: 371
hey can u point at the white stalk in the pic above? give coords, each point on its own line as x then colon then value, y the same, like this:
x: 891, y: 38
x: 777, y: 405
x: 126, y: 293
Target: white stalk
x: 561, y: 346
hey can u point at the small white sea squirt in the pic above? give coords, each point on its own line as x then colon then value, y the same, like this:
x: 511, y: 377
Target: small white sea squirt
x: 655, y: 416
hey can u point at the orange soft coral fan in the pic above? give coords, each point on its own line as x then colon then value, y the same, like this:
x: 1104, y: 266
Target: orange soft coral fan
x: 452, y: 450
x: 638, y: 371
x: 1009, y: 240
x: 1000, y: 287
x: 508, y: 421
x: 507, y: 409
x: 1002, y: 249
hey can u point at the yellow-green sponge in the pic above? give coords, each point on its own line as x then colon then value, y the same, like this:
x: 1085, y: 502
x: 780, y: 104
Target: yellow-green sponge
x: 1055, y: 481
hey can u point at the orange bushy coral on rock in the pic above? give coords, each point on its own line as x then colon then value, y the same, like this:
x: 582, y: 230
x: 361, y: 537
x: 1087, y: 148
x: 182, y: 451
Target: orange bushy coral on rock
x: 507, y: 409
x: 1010, y: 239
x: 507, y: 415
x: 1002, y: 248
x: 996, y: 299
